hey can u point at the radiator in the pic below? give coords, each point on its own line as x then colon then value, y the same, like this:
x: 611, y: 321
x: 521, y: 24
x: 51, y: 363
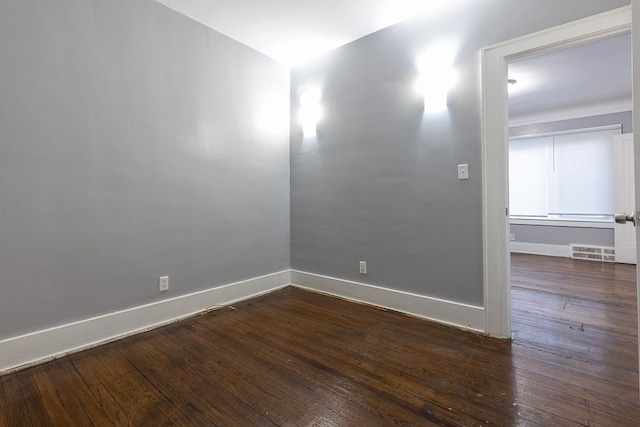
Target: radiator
x: 593, y: 253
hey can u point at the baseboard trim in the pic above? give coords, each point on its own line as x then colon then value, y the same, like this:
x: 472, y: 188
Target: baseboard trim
x: 41, y: 346
x: 541, y: 249
x: 438, y: 310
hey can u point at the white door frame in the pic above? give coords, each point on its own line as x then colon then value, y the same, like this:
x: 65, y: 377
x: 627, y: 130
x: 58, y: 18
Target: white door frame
x: 495, y: 221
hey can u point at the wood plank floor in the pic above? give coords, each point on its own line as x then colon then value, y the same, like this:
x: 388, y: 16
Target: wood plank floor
x: 296, y: 358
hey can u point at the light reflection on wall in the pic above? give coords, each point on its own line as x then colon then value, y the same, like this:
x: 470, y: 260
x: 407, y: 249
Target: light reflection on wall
x: 310, y: 110
x: 437, y: 76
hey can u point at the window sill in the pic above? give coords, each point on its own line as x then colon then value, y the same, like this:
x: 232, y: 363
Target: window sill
x: 561, y: 223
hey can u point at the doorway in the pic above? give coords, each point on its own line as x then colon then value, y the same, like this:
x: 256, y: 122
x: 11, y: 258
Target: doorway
x: 570, y: 150
x: 496, y: 253
x: 495, y: 142
x: 570, y: 168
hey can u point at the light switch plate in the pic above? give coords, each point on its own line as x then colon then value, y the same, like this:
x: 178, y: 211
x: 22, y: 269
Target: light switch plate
x: 463, y: 171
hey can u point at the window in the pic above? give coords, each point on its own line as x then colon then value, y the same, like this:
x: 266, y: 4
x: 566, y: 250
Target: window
x: 563, y: 176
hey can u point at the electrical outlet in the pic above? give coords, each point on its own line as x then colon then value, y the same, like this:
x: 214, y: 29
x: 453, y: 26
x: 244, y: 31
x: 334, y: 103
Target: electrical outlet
x: 363, y: 267
x: 163, y: 283
x: 512, y: 236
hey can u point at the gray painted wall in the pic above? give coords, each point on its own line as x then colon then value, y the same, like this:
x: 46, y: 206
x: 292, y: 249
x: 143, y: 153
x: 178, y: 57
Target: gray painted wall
x: 563, y: 235
x: 131, y: 147
x: 379, y: 182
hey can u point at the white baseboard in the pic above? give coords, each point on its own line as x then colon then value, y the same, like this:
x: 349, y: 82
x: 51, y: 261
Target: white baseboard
x: 541, y: 249
x: 442, y: 311
x: 40, y: 346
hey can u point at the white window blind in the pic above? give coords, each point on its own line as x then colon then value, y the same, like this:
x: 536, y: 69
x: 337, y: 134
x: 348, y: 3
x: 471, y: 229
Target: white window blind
x: 569, y: 174
x: 581, y: 182
x: 528, y: 180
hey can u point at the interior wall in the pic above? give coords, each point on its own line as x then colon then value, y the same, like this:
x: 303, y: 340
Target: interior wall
x: 379, y: 180
x: 562, y: 236
x: 135, y: 143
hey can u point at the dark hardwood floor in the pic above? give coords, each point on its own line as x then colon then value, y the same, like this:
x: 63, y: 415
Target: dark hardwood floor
x: 297, y: 358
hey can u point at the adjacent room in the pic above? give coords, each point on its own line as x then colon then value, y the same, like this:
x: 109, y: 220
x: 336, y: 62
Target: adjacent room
x: 254, y: 212
x: 571, y: 164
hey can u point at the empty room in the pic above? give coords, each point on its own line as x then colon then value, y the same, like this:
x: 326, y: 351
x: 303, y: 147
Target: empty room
x: 296, y: 213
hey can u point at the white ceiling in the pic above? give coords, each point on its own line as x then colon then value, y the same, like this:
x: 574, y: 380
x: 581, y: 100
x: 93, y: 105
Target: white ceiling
x: 595, y: 76
x: 292, y: 31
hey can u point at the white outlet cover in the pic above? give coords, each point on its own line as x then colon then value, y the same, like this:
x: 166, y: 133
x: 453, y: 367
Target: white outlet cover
x: 163, y: 283
x: 363, y: 267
